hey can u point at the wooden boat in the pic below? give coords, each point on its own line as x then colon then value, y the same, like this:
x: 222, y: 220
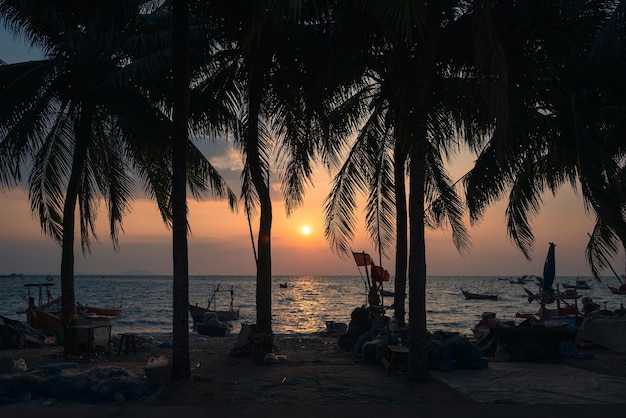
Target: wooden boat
x: 618, y: 291
x: 523, y: 279
x: 213, y: 331
x: 40, y: 319
x: 113, y: 312
x: 197, y: 312
x: 469, y: 295
x: 483, y: 327
x: 333, y: 329
x: 580, y: 284
x: 15, y: 334
x: 212, y: 326
x: 46, y: 316
x: 283, y: 285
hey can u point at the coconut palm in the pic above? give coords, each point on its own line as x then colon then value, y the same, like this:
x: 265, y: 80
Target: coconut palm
x: 272, y: 44
x: 181, y: 366
x: 451, y: 51
x: 573, y: 134
x: 85, y: 121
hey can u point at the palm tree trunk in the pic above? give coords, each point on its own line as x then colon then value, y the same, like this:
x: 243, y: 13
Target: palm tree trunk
x: 418, y: 333
x: 181, y: 364
x: 68, y: 299
x: 401, y: 235
x: 418, y: 356
x: 264, y: 262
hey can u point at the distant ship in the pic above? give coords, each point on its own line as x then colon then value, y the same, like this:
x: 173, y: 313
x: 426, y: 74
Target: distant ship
x: 12, y: 276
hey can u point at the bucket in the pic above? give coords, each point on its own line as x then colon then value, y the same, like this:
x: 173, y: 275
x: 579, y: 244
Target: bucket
x: 258, y: 342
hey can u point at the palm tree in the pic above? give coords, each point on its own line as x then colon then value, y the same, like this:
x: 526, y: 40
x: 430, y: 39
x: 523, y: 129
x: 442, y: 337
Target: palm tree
x: 83, y: 116
x: 58, y: 112
x: 576, y: 130
x: 425, y: 37
x: 181, y: 366
x: 269, y: 38
x: 377, y: 161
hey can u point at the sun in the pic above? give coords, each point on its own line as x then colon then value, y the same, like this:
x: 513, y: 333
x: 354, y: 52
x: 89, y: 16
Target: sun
x: 306, y: 230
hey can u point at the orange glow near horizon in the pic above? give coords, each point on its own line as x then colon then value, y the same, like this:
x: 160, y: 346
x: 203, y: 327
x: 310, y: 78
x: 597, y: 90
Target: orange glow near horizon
x: 220, y: 241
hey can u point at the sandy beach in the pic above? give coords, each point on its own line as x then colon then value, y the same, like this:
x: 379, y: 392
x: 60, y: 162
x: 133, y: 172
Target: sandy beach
x: 309, y: 374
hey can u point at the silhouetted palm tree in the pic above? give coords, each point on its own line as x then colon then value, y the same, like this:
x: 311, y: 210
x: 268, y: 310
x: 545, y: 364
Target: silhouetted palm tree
x: 273, y: 46
x: 181, y: 366
x: 573, y: 133
x: 442, y: 53
x: 83, y: 116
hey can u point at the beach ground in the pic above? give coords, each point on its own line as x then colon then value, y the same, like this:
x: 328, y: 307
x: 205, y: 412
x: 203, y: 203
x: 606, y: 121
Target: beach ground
x: 312, y: 377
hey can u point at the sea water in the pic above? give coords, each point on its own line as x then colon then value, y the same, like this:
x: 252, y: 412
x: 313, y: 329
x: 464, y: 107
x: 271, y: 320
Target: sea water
x: 302, y: 308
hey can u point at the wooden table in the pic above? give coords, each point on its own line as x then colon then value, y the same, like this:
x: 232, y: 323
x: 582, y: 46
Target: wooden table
x: 395, y: 354
x: 87, y: 340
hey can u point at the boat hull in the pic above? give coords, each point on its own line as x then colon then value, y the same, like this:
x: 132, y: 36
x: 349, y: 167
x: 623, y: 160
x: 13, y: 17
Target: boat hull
x: 617, y: 291
x: 212, y: 331
x: 469, y: 295
x: 42, y: 320
x: 197, y: 314
x: 104, y: 311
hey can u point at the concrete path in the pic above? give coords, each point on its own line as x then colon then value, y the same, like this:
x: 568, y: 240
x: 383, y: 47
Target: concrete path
x: 536, y: 383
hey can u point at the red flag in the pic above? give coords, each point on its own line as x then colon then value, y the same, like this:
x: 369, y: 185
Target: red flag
x: 379, y: 274
x: 362, y: 259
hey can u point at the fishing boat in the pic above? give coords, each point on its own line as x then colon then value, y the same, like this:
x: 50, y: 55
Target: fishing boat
x: 197, y: 312
x: 523, y: 279
x: 42, y: 320
x: 15, y: 334
x: 580, y: 284
x: 483, y: 327
x: 113, y: 312
x: 618, y: 290
x: 539, y: 336
x: 212, y: 326
x: 45, y: 315
x: 487, y: 296
x: 566, y: 302
x: 211, y: 331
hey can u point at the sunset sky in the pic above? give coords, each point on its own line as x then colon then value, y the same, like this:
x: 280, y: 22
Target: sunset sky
x: 220, y: 243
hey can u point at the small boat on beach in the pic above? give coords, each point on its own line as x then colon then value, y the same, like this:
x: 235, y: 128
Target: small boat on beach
x: 212, y: 326
x: 46, y: 315
x: 333, y: 329
x: 486, y: 296
x: 15, y: 334
x: 197, y: 312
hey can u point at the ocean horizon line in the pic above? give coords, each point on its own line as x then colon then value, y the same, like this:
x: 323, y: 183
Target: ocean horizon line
x: 151, y: 274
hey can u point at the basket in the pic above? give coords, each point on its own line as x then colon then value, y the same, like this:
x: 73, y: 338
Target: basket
x: 158, y: 371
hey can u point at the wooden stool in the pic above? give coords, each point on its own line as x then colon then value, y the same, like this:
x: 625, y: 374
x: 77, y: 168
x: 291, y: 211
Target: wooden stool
x: 396, y: 358
x: 126, y: 340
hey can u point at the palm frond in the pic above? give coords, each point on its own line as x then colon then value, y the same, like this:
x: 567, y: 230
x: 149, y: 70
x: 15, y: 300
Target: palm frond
x: 601, y: 247
x: 48, y: 176
x: 523, y: 204
x: 445, y: 206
